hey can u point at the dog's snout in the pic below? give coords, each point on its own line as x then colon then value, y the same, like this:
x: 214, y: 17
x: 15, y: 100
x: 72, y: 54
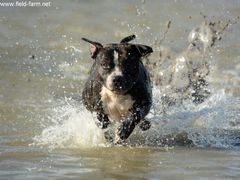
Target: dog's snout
x: 117, y: 81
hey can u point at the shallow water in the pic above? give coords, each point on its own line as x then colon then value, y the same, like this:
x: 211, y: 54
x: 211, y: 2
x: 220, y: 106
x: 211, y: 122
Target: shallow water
x: 45, y: 131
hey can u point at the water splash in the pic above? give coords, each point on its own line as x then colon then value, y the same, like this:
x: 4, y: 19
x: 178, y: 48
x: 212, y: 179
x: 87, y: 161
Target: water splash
x: 71, y: 126
x: 212, y: 124
x: 176, y: 118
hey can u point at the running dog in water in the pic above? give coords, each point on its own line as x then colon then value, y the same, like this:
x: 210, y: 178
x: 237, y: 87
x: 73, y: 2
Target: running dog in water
x: 119, y: 87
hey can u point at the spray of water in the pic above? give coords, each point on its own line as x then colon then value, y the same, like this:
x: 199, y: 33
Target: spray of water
x: 177, y: 117
x: 71, y: 126
x: 211, y: 124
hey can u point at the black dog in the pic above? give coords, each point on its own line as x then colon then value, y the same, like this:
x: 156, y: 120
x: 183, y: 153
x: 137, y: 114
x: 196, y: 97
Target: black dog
x: 119, y: 87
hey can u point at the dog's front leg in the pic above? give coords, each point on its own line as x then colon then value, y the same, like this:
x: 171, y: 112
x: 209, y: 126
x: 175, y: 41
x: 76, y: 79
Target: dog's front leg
x: 103, y: 123
x: 103, y: 120
x: 126, y: 128
x: 139, y: 111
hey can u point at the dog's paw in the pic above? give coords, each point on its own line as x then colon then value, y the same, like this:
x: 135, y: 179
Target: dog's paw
x: 102, y: 125
x: 119, y: 142
x: 125, y: 129
x: 144, y: 125
x: 108, y: 136
x: 103, y: 121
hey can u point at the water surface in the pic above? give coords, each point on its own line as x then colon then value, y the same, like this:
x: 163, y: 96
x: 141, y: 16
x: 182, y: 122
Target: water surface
x: 45, y: 131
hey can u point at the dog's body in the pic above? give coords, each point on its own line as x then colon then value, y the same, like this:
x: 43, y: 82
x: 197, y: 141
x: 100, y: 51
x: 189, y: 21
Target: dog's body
x: 119, y: 87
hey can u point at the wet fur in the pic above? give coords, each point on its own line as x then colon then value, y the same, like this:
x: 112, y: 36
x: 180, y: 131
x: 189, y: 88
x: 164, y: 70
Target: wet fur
x: 129, y: 106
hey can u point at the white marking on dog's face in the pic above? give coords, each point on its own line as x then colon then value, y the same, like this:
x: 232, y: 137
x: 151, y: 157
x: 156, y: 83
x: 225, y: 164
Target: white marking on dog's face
x: 110, y: 78
x: 115, y: 57
x: 116, y: 71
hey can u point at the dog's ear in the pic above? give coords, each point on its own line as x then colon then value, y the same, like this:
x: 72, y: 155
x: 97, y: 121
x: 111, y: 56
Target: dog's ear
x: 94, y: 47
x: 127, y: 39
x: 143, y: 50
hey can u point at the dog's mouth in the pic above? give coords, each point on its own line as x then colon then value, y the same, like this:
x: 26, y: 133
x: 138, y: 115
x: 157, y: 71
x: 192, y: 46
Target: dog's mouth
x: 119, y: 89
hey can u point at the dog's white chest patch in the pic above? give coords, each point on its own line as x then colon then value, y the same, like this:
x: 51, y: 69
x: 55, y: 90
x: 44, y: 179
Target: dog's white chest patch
x: 116, y: 106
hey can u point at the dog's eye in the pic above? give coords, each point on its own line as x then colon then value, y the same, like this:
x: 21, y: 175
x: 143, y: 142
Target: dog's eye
x: 105, y: 66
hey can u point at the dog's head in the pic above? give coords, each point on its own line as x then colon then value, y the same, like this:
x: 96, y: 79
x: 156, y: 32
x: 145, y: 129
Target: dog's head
x: 118, y: 64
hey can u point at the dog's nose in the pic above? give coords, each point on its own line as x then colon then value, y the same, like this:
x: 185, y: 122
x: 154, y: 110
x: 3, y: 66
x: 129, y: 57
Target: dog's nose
x: 117, y: 81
